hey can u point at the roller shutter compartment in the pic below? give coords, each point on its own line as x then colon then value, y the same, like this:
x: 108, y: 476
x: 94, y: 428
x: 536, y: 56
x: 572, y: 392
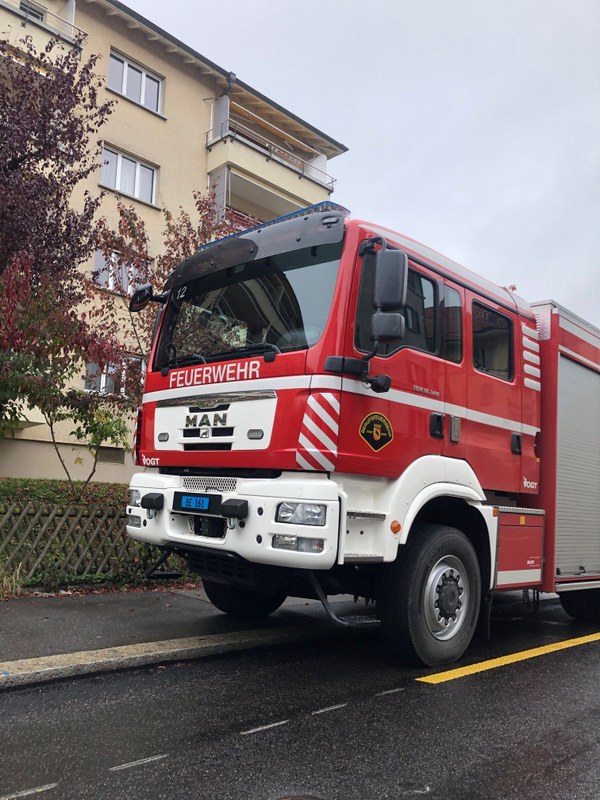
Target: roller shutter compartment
x: 578, y: 472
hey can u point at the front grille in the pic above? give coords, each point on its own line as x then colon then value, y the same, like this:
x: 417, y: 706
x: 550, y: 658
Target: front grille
x: 201, y: 447
x: 194, y: 433
x: 209, y: 484
x: 201, y: 409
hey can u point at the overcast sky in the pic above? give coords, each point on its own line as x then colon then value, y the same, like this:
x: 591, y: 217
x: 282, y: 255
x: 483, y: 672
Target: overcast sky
x: 472, y: 125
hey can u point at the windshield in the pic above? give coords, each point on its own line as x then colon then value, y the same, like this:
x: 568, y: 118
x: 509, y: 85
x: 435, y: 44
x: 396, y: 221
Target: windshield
x: 279, y: 303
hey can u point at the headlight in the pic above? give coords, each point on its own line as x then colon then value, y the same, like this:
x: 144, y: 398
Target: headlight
x: 135, y: 497
x: 301, y: 513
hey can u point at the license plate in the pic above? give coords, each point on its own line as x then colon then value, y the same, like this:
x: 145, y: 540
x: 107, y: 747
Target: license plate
x: 197, y: 503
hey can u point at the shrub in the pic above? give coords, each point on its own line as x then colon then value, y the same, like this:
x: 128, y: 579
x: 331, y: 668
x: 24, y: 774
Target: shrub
x: 60, y: 548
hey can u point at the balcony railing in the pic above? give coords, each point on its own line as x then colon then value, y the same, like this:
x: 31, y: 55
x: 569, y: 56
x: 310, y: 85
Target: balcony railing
x: 235, y: 130
x: 240, y: 219
x: 45, y: 19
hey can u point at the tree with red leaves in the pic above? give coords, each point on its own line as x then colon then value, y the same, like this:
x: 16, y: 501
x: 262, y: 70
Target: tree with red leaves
x: 126, y: 251
x: 50, y: 115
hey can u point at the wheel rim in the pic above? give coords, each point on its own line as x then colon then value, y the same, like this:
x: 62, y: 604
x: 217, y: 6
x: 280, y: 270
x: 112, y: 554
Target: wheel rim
x: 446, y: 598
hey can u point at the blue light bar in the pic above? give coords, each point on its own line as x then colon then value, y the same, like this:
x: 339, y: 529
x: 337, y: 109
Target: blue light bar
x: 318, y: 208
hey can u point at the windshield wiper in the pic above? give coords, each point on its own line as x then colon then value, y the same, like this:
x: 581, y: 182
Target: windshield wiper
x: 182, y: 361
x: 252, y: 349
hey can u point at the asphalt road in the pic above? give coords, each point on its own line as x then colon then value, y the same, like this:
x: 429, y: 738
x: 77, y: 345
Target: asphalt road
x: 337, y: 720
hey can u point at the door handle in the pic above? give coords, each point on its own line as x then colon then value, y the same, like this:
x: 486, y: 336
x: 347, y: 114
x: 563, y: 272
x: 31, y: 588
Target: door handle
x: 436, y: 425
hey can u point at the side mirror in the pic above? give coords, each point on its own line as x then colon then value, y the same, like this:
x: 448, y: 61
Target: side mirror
x: 387, y: 326
x: 391, y: 275
x: 143, y: 295
x: 389, y: 295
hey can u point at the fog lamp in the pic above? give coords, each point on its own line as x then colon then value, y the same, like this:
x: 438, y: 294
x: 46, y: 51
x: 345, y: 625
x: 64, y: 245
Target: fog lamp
x: 134, y: 521
x: 301, y: 544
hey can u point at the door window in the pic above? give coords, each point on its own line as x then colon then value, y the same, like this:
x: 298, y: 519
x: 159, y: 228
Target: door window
x: 452, y: 340
x: 420, y: 314
x: 492, y: 342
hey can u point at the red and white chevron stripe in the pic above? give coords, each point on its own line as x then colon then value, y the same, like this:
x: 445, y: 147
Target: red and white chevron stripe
x: 317, y: 442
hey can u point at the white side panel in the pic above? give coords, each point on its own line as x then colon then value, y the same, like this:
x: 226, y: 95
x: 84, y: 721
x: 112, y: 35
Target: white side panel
x: 578, y: 478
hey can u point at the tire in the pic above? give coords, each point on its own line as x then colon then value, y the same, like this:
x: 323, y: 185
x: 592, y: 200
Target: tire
x: 582, y: 604
x: 242, y: 603
x: 431, y: 596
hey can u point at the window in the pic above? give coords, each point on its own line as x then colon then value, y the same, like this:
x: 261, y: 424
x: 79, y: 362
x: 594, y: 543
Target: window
x: 111, y: 455
x: 121, y: 378
x: 492, y: 342
x: 116, y: 275
x: 32, y: 11
x: 109, y: 274
x: 134, y: 82
x: 452, y: 345
x: 419, y: 313
x: 125, y: 174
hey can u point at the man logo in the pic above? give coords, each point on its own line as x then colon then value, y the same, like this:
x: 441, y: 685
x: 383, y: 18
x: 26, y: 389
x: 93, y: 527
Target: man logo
x: 204, y: 420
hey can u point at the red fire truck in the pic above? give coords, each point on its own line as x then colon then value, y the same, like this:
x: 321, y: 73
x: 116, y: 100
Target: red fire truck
x: 331, y: 407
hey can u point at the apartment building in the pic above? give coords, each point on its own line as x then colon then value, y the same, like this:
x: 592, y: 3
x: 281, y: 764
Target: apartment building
x: 180, y: 123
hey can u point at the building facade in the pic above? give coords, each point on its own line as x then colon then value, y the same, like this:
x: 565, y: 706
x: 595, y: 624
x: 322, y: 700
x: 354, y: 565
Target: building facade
x: 180, y: 123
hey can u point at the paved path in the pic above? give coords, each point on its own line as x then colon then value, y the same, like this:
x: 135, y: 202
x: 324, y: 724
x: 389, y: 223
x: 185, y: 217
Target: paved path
x: 49, y: 638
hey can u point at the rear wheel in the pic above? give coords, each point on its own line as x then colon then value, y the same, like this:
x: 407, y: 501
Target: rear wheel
x: 431, y: 596
x: 242, y: 603
x: 582, y: 604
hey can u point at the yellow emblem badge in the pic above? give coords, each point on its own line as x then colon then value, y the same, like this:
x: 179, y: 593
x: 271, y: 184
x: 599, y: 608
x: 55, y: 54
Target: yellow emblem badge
x: 376, y: 430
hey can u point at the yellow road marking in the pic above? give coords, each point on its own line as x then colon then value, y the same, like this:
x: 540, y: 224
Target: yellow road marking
x: 493, y: 663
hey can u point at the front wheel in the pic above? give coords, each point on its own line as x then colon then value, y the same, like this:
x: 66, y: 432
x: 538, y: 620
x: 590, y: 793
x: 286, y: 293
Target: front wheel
x: 431, y: 596
x: 242, y: 603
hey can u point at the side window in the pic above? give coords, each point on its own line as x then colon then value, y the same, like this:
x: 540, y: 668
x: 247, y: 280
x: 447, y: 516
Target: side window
x: 420, y: 314
x: 452, y: 340
x: 492, y: 342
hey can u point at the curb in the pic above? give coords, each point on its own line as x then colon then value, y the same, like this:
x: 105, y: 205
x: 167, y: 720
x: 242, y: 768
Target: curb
x: 46, y: 669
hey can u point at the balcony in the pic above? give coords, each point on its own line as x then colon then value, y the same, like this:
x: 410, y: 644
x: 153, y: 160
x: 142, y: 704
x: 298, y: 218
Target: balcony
x: 41, y: 18
x: 231, y: 131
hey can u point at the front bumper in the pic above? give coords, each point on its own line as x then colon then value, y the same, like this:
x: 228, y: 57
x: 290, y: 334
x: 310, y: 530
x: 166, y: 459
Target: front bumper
x: 252, y: 537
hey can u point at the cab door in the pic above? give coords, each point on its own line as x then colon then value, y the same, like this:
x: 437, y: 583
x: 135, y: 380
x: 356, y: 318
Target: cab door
x: 493, y: 437
x: 381, y: 434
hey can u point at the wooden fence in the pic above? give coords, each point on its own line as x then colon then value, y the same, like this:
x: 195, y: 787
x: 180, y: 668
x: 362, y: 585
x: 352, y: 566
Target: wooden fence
x: 50, y: 544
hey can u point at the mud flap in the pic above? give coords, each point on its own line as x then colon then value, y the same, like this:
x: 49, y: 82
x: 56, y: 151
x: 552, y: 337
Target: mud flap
x: 484, y: 623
